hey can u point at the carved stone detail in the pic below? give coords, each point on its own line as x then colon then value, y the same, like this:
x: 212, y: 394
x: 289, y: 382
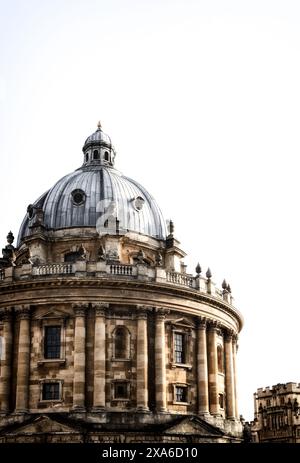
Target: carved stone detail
x: 80, y: 310
x: 23, y: 312
x: 161, y: 313
x: 100, y: 309
x: 6, y: 314
x: 201, y: 323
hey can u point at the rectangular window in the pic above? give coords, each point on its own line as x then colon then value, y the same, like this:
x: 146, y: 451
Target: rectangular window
x: 52, y: 342
x: 51, y: 391
x: 179, y: 347
x: 121, y: 390
x: 180, y: 394
x: 221, y: 400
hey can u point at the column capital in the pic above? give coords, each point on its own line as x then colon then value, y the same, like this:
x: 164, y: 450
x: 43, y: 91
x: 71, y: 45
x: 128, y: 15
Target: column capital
x: 228, y: 335
x: 213, y: 325
x: 100, y: 309
x: 161, y: 313
x: 80, y: 309
x: 201, y: 323
x: 6, y: 314
x: 23, y: 312
x: 235, y: 338
x: 142, y: 312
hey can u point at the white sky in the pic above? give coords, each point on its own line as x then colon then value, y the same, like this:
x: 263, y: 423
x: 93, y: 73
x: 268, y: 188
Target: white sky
x: 201, y: 99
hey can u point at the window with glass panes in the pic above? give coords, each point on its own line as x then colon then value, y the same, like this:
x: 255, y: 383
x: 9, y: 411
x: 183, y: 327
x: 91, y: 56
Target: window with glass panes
x: 179, y: 347
x: 180, y: 394
x: 51, y: 391
x: 52, y: 342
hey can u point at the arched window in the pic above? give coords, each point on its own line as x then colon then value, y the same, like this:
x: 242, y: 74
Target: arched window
x: 121, y: 338
x: 96, y: 155
x: 106, y: 156
x: 220, y: 359
x: 86, y: 157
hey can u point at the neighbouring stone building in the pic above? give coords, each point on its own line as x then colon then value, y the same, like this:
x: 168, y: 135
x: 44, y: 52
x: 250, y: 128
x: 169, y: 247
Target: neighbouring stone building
x: 277, y: 414
x: 104, y: 335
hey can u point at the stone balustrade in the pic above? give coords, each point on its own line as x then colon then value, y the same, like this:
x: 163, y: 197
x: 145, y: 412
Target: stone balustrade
x: 180, y: 279
x: 121, y: 270
x: 53, y: 269
x: 103, y: 269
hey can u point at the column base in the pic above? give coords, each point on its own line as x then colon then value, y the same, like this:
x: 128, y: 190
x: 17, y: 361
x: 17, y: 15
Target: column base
x: 142, y: 409
x: 203, y: 413
x: 98, y: 409
x: 162, y: 410
x: 20, y: 411
x: 78, y: 409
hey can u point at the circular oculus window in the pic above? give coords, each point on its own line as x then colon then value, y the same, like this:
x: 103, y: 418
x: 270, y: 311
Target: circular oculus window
x: 30, y: 211
x: 78, y: 197
x: 138, y: 203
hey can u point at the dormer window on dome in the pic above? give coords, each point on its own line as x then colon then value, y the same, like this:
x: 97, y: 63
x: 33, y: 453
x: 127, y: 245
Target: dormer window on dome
x: 98, y: 149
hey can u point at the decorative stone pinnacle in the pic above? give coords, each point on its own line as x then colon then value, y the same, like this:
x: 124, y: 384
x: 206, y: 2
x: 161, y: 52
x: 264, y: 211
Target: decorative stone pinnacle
x: 198, y: 269
x: 224, y: 285
x: 10, y: 238
x: 171, y: 227
x: 229, y: 288
x: 99, y: 125
x: 208, y: 274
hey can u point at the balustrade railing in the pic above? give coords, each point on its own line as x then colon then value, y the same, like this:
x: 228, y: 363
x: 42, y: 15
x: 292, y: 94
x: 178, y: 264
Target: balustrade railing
x: 121, y: 270
x: 180, y: 279
x: 53, y: 269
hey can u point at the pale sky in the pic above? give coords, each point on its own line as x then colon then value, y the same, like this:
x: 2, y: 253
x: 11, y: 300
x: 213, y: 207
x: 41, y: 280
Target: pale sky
x: 201, y: 99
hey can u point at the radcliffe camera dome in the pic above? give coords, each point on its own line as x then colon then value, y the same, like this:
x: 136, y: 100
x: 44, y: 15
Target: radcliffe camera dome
x: 83, y: 198
x: 105, y: 333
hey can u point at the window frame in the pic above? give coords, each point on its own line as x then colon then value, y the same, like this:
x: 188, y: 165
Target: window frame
x: 221, y: 398
x: 186, y: 333
x: 182, y: 351
x: 128, y: 355
x: 187, y: 394
x: 46, y: 346
x: 96, y: 155
x: 114, y: 383
x: 53, y: 321
x: 220, y: 359
x: 51, y: 381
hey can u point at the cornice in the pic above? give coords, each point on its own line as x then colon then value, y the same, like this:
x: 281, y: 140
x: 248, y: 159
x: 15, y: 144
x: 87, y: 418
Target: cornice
x: 107, y: 283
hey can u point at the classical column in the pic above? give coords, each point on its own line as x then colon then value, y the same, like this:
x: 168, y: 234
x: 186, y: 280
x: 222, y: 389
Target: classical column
x: 79, y: 358
x: 99, y: 357
x: 23, y: 366
x: 202, y: 374
x: 229, y: 376
x: 234, y: 351
x: 213, y: 369
x: 160, y: 362
x: 142, y: 360
x: 6, y: 357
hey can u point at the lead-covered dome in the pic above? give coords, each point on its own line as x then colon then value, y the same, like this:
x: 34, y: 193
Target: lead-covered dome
x: 91, y: 194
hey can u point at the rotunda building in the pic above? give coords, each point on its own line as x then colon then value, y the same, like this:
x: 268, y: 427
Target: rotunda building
x: 104, y: 336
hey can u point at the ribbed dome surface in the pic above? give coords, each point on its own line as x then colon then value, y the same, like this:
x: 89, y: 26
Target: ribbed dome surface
x: 135, y: 208
x: 98, y: 137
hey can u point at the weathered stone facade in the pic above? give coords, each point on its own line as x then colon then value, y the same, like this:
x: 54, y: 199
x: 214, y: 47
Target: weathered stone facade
x: 277, y: 414
x: 105, y: 335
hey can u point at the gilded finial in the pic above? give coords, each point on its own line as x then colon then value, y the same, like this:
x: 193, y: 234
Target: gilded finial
x: 99, y: 125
